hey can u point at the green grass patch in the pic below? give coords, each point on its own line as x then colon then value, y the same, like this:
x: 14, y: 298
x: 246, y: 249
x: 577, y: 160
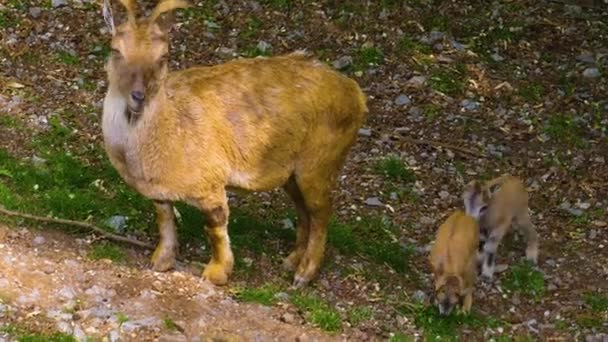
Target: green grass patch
x: 7, y: 19
x: 532, y: 92
x: 121, y: 318
x: 393, y: 168
x: 450, y: 81
x: 597, y: 302
x: 252, y: 28
x: 67, y: 58
x: 264, y: 295
x: 23, y: 335
x: 360, y: 314
x: 200, y: 12
x: 588, y: 320
x: 170, y: 324
x: 562, y: 127
x: 367, y: 57
x: 374, y: 238
x: 10, y: 121
x: 255, y: 51
x: 106, y: 250
x: 278, y: 4
x: 407, y: 45
x: 318, y: 312
x: 401, y: 337
x: 523, y: 278
x: 445, y: 328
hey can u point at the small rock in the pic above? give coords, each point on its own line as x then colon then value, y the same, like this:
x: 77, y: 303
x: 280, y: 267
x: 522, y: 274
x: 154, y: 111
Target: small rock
x: 393, y: 196
x: 59, y: 3
x: 287, y: 224
x: 515, y: 300
x: 64, y: 327
x: 444, y: 194
x: 501, y: 268
x: 37, y: 161
x: 496, y: 57
x: 225, y: 52
x: 434, y: 36
x: 551, y: 287
x: 417, y: 81
x: 402, y: 100
x: 426, y: 221
x: 550, y: 262
x: 469, y: 104
x: 586, y: 58
x: 583, y: 205
x: 374, y: 202
x: 66, y: 293
x: 118, y: 223
x: 39, y: 240
x: 113, y: 336
x: 288, y: 318
x: 591, y: 73
x: 282, y: 296
x: 419, y: 296
x: 592, y: 234
x: 35, y: 12
x: 79, y: 334
x: 342, y: 62
x: 263, y: 46
x: 366, y: 132
x: 458, y: 46
x: 131, y: 326
x: 599, y: 223
x: 173, y: 338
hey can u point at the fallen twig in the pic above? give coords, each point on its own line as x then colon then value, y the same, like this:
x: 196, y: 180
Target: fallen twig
x: 437, y: 144
x: 81, y: 224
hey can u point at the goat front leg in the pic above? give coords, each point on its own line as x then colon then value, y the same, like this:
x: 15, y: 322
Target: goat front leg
x: 163, y: 257
x: 490, y: 248
x: 222, y: 261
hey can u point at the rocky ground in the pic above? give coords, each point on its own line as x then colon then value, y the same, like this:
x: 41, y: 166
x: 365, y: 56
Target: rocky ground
x: 457, y: 91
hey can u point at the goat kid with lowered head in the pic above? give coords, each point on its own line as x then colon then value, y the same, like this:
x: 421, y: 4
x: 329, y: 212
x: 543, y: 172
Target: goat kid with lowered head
x: 249, y: 124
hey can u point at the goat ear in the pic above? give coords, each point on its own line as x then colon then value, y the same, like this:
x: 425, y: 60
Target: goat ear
x: 164, y: 21
x: 475, y: 202
x: 108, y: 17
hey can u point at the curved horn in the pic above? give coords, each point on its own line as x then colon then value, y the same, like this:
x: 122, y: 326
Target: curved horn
x: 166, y: 6
x: 130, y: 6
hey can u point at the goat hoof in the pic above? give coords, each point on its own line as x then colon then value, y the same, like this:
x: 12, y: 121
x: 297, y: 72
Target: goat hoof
x: 291, y: 262
x: 163, y: 259
x: 299, y: 282
x: 215, y: 273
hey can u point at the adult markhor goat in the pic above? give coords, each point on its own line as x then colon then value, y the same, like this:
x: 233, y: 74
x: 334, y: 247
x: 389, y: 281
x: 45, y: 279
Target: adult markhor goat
x: 250, y: 124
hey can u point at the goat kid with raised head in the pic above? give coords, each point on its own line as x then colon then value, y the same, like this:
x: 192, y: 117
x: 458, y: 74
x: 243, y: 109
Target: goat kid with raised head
x: 251, y: 124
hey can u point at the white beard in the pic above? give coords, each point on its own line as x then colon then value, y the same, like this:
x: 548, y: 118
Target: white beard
x: 115, y: 127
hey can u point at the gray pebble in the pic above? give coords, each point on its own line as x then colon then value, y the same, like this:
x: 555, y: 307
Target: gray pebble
x: 342, y: 62
x: 419, y: 296
x: 282, y: 296
x: 39, y: 240
x: 402, y: 100
x: 35, y: 12
x: 591, y: 73
x: 374, y: 202
x: 366, y: 132
x: 59, y: 3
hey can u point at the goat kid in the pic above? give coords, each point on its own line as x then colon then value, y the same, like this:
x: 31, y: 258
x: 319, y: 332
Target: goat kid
x: 503, y: 202
x: 250, y: 124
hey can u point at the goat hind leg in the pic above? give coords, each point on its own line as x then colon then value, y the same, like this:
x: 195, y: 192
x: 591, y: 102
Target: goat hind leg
x: 525, y: 225
x: 292, y: 261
